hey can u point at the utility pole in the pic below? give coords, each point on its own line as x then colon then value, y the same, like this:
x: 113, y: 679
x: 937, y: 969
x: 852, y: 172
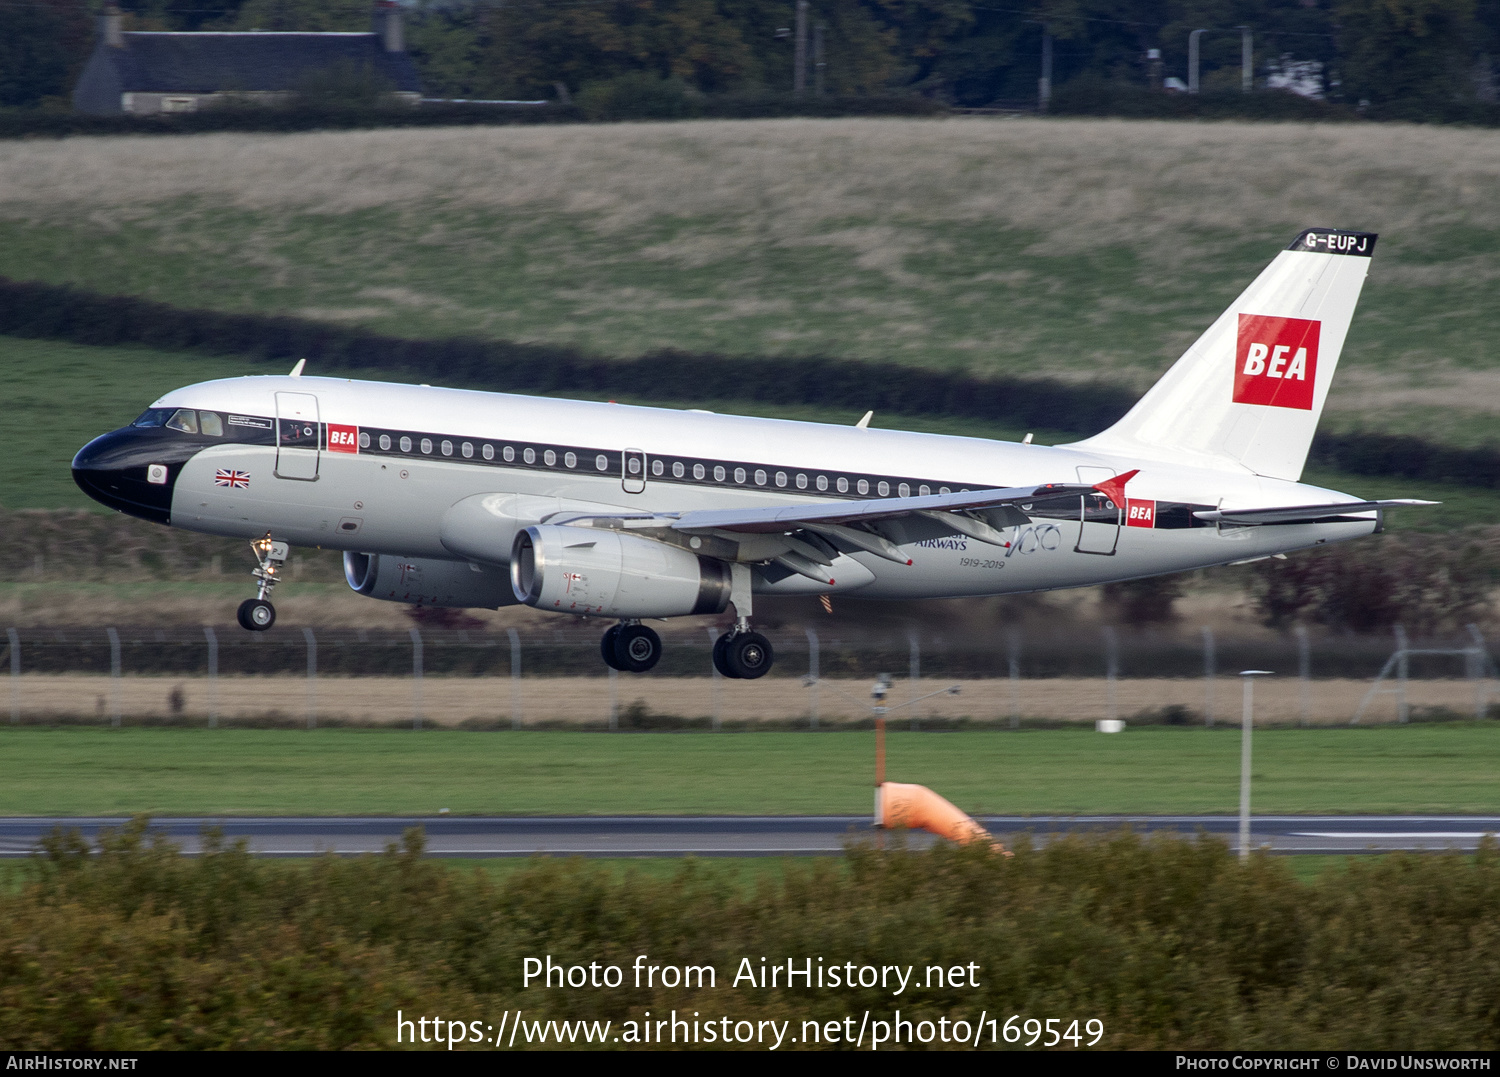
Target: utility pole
x: 1044, y: 84
x: 799, y: 76
x: 1246, y: 59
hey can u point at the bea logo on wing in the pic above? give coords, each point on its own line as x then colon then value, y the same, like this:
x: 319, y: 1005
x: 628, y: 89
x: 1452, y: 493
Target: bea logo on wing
x: 343, y: 438
x: 1276, y: 361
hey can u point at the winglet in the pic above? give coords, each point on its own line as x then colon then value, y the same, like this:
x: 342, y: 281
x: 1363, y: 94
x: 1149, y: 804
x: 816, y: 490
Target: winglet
x: 864, y: 424
x: 297, y: 370
x: 1114, y: 488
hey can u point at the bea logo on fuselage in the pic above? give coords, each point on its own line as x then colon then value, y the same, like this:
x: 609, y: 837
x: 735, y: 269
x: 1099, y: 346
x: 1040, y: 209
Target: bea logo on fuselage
x: 1140, y: 513
x: 1276, y: 361
x: 343, y: 438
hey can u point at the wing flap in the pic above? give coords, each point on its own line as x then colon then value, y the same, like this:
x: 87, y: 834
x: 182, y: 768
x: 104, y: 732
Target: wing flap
x: 777, y: 518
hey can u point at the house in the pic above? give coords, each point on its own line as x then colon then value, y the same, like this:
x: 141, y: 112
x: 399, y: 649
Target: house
x: 148, y: 72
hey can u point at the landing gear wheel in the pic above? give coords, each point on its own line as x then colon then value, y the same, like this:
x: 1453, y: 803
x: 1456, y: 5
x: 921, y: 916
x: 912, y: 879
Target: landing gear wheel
x: 256, y: 615
x: 749, y: 654
x: 637, y: 648
x: 607, y: 650
x: 721, y: 663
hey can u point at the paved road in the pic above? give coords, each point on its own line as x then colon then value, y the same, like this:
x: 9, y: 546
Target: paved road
x: 470, y: 836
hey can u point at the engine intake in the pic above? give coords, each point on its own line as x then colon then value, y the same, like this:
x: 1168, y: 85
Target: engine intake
x: 427, y: 582
x: 599, y: 572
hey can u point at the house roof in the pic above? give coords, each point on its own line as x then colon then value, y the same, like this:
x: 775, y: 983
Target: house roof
x: 207, y: 62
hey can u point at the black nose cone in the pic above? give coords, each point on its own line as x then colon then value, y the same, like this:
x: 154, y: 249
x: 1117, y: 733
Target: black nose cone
x: 134, y: 470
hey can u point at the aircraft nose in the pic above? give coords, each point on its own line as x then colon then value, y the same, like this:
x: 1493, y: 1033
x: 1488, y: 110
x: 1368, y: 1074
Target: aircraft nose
x: 134, y: 470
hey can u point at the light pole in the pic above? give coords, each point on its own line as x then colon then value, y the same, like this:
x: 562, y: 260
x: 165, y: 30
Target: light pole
x: 1193, y: 59
x: 1248, y: 721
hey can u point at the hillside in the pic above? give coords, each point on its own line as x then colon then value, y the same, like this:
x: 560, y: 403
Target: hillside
x: 1073, y: 248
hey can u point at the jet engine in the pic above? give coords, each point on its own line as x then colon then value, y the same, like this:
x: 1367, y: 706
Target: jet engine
x: 427, y: 582
x: 600, y: 572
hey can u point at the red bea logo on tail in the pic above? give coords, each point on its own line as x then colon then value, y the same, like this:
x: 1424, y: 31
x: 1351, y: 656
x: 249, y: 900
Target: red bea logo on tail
x: 1276, y: 361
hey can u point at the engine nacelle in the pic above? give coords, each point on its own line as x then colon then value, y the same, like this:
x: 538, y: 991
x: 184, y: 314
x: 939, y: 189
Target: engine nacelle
x: 427, y: 582
x: 604, y: 573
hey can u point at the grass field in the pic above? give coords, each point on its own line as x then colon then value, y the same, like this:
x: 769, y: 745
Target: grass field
x: 62, y: 395
x: 1073, y: 248
x: 1448, y: 768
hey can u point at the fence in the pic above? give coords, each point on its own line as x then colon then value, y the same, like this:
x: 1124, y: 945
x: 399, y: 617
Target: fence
x: 302, y: 675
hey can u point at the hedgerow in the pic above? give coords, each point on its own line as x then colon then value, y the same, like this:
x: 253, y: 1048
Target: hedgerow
x: 1171, y: 943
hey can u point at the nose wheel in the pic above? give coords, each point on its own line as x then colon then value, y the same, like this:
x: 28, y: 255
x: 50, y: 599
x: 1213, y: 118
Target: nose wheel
x: 257, y: 614
x: 743, y: 655
x: 630, y: 648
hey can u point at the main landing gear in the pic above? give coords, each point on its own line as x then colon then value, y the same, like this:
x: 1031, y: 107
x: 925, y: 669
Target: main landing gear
x: 743, y: 654
x: 630, y: 647
x: 257, y: 614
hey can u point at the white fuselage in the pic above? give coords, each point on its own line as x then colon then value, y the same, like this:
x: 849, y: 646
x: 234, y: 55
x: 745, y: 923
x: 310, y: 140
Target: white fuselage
x: 345, y: 492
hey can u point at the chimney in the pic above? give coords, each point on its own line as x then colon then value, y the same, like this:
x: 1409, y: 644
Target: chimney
x: 387, y: 25
x: 113, y: 25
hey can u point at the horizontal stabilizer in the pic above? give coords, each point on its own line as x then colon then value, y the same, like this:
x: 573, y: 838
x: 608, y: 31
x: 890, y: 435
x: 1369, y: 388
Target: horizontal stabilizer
x: 1299, y: 514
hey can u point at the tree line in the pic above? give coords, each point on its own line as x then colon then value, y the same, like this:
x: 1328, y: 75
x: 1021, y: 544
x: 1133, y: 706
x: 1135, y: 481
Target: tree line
x: 1413, y: 59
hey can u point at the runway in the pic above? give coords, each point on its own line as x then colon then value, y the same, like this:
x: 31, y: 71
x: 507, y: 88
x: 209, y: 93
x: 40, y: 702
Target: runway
x: 742, y: 836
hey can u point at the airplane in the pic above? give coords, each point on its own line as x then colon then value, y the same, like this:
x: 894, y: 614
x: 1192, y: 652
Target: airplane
x: 447, y: 497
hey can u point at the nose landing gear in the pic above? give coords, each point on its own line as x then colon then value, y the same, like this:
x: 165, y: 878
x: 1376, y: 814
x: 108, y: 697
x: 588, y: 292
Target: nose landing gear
x: 630, y: 647
x: 257, y: 614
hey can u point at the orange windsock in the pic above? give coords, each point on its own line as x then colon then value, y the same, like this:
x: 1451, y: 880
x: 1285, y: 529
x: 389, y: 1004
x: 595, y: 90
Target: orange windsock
x: 916, y: 807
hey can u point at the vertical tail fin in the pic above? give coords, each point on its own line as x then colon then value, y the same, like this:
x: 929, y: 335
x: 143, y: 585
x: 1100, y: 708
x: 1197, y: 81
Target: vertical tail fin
x: 1250, y: 390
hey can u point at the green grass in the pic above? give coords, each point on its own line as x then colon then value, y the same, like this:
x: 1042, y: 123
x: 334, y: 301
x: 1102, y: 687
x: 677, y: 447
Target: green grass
x: 1448, y: 768
x: 984, y: 246
x: 60, y: 396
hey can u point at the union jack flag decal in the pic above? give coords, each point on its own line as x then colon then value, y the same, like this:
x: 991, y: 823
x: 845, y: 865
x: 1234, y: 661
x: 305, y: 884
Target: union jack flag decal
x: 235, y: 480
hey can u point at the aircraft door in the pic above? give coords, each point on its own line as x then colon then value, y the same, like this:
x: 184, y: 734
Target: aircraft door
x: 633, y: 471
x: 297, y: 436
x: 1099, y: 518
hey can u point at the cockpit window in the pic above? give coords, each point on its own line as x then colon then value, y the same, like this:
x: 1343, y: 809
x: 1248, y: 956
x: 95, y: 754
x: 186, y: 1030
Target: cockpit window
x: 184, y: 419
x: 153, y: 417
x: 211, y: 424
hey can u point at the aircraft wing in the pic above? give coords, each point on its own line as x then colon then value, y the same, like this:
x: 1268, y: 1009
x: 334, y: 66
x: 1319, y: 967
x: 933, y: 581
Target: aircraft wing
x: 778, y: 518
x: 1299, y: 514
x: 806, y: 538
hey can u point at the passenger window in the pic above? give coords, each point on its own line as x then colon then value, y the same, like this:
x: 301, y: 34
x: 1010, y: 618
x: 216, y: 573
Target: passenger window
x: 185, y: 420
x: 210, y: 423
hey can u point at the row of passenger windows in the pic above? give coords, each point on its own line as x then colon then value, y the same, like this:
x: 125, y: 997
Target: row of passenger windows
x: 782, y: 479
x: 487, y: 452
x: 659, y: 468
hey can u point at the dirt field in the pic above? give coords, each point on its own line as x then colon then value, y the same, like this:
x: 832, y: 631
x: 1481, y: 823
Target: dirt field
x: 452, y: 701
